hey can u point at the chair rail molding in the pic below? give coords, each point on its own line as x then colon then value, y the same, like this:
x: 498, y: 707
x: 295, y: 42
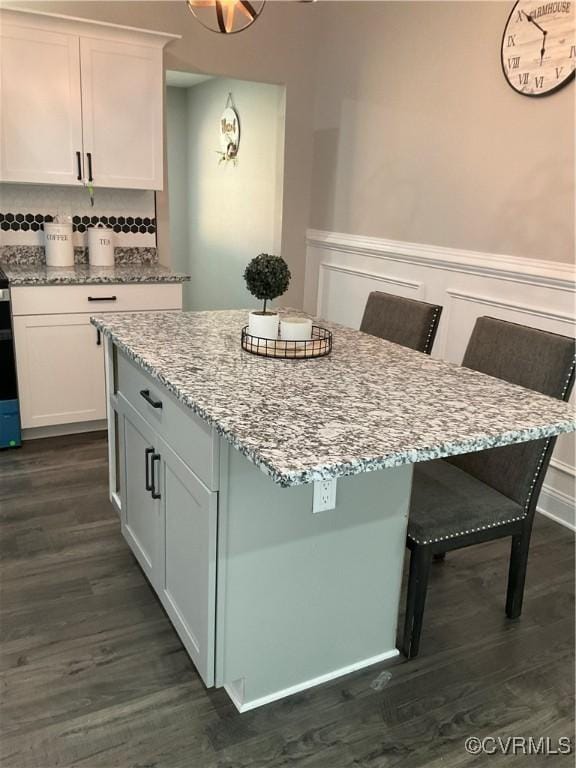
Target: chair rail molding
x: 551, y: 274
x: 561, y: 317
x: 412, y: 285
x: 342, y: 269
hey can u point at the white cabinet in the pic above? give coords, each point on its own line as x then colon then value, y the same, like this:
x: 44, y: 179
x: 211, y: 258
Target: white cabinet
x: 169, y: 519
x: 187, y: 572
x: 41, y: 113
x: 59, y: 354
x: 60, y: 370
x: 140, y: 511
x: 81, y: 102
x: 122, y: 113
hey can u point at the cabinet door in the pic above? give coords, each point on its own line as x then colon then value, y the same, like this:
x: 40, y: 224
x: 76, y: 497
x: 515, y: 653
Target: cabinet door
x: 188, y: 561
x: 60, y: 365
x: 140, y: 511
x: 41, y: 115
x: 122, y: 113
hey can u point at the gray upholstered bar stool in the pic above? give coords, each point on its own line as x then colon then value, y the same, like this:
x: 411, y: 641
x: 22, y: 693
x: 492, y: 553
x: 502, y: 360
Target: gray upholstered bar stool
x: 408, y: 322
x: 478, y: 497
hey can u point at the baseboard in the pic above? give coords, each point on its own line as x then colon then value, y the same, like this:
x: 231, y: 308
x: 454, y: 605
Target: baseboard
x: 558, y: 506
x: 33, y: 433
x: 260, y: 702
x: 116, y: 503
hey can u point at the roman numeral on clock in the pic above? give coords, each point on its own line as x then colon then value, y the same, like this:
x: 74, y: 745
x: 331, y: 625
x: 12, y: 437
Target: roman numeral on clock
x: 537, y: 46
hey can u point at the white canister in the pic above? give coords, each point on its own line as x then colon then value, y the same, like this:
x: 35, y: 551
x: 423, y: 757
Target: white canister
x: 58, y: 241
x: 295, y: 328
x: 100, y: 247
x: 263, y: 326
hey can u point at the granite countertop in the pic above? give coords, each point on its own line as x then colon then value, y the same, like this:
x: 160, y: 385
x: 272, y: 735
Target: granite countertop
x: 84, y: 274
x: 369, y: 405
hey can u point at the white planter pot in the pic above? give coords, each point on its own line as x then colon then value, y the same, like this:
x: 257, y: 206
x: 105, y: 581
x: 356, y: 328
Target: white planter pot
x: 263, y: 326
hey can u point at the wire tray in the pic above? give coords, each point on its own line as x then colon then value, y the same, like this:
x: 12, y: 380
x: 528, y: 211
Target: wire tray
x: 319, y: 345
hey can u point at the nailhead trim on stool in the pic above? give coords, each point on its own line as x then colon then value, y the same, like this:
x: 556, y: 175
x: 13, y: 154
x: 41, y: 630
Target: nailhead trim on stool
x: 431, y: 330
x: 530, y: 491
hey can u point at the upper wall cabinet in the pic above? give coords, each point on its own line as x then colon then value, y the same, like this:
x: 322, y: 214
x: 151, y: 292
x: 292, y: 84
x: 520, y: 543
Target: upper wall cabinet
x: 122, y: 88
x: 41, y: 111
x: 80, y: 102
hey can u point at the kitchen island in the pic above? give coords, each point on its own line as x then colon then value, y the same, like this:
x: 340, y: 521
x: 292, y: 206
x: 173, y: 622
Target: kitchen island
x: 220, y: 461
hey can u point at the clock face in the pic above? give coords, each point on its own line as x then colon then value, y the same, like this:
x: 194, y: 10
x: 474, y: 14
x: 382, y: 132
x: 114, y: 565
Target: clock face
x: 539, y: 46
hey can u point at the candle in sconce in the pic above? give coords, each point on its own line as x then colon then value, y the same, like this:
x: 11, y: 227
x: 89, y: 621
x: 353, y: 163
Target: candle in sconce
x: 295, y: 328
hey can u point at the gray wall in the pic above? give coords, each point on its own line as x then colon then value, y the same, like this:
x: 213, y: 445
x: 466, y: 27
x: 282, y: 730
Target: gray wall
x: 278, y: 48
x: 222, y: 215
x: 177, y: 157
x: 418, y: 137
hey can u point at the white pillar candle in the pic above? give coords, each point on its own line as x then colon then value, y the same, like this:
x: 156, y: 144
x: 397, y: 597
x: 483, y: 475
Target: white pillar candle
x: 295, y: 328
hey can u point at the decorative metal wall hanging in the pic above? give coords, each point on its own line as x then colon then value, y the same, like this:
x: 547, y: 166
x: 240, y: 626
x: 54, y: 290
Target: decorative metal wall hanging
x: 229, y: 133
x: 226, y: 16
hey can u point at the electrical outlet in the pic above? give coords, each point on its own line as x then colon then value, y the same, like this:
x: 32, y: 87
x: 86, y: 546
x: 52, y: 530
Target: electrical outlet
x: 324, y: 496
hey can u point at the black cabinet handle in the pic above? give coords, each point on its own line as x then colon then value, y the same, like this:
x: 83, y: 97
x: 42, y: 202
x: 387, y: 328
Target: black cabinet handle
x: 145, y: 393
x: 147, y: 453
x: 155, y: 458
x: 79, y: 161
x: 89, y: 156
x: 98, y: 338
x: 101, y: 298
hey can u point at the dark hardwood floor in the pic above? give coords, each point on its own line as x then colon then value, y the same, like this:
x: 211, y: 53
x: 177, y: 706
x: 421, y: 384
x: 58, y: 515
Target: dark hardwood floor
x: 93, y: 674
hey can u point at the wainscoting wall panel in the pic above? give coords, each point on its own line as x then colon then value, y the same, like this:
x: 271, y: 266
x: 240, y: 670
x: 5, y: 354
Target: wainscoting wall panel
x: 342, y: 269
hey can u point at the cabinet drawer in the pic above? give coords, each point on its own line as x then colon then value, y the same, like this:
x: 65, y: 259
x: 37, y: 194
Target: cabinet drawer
x: 94, y: 299
x: 194, y: 441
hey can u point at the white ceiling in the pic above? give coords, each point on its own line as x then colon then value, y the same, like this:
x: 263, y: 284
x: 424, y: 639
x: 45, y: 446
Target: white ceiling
x: 185, y: 79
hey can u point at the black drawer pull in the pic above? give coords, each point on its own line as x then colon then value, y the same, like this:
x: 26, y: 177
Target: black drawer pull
x: 155, y: 494
x: 102, y: 298
x: 79, y: 161
x: 98, y: 338
x: 89, y: 156
x: 147, y: 453
x: 146, y: 395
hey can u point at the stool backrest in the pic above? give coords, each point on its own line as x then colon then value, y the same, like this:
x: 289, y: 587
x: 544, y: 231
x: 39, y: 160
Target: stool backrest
x: 534, y: 359
x: 408, y: 322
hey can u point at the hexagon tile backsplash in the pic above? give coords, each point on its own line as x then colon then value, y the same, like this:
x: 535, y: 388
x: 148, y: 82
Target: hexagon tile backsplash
x: 24, y: 208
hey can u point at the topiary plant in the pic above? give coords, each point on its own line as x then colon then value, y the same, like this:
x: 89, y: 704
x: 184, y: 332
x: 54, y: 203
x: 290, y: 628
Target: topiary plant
x: 267, y: 277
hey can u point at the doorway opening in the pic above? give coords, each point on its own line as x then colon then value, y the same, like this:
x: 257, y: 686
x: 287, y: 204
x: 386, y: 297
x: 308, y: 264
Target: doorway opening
x: 225, y: 207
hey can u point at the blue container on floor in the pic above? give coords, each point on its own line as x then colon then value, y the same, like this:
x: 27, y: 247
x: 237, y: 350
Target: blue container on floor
x: 10, y: 434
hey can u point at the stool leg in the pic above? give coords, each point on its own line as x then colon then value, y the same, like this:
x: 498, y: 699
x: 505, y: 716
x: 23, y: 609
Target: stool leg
x: 420, y: 562
x: 517, y: 573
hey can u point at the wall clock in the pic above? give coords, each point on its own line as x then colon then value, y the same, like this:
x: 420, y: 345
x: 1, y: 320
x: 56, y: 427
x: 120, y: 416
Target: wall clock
x: 539, y: 46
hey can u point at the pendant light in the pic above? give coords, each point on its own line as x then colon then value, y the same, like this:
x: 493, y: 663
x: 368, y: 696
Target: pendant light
x: 226, y: 16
